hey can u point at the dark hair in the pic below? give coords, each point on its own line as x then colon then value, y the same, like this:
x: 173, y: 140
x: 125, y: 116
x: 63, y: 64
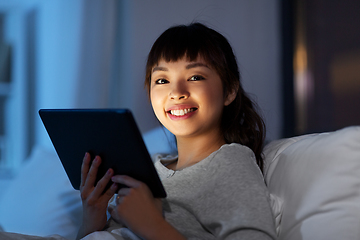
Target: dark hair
x: 240, y: 121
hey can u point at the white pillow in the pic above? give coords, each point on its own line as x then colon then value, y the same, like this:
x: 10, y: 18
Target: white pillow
x: 318, y: 178
x: 40, y: 200
x: 159, y: 140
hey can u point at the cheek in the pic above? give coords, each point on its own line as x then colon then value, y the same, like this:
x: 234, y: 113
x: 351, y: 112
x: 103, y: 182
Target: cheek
x: 212, y: 95
x: 153, y: 102
x: 156, y: 102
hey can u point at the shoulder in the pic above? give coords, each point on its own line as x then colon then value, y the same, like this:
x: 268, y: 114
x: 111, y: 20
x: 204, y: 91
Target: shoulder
x: 235, y: 150
x: 235, y: 156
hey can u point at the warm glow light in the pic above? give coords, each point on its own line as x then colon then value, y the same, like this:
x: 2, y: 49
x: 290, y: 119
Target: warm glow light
x: 303, y: 85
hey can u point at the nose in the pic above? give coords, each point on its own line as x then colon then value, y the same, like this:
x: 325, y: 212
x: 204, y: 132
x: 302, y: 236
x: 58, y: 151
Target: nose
x: 179, y: 91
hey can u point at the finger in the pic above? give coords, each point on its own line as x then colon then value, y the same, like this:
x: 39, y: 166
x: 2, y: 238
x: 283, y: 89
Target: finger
x: 91, y: 176
x: 126, y: 180
x: 110, y: 192
x: 118, y: 199
x: 124, y: 191
x: 158, y: 204
x: 85, y: 169
x: 102, y: 183
x: 107, y: 196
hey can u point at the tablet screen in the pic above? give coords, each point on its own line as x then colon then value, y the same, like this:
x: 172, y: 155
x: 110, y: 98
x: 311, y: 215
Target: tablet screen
x: 110, y: 133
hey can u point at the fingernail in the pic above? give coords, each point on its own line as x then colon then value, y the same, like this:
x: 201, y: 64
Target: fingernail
x: 108, y: 172
x: 114, y: 178
x: 114, y: 186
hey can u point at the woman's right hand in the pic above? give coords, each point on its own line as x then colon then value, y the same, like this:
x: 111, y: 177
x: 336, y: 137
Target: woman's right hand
x: 94, y: 199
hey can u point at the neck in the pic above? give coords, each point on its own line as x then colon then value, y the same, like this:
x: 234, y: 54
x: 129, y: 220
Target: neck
x: 193, y: 150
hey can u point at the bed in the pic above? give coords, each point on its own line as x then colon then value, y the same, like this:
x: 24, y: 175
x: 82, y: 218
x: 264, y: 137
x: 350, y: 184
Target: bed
x: 314, y: 181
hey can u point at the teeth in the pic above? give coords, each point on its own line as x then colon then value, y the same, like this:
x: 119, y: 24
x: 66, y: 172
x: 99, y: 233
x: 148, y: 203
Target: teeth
x: 181, y: 112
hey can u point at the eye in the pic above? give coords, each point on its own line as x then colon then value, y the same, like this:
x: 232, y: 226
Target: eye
x: 161, y: 81
x: 196, y: 78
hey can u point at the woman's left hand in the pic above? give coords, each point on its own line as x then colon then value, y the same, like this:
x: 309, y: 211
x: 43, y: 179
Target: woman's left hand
x: 136, y: 207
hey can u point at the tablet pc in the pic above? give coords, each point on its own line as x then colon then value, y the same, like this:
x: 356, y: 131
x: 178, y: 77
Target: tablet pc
x: 110, y: 133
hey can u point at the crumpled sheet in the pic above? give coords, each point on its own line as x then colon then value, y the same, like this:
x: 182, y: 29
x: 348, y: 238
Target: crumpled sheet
x: 17, y: 236
x: 117, y: 234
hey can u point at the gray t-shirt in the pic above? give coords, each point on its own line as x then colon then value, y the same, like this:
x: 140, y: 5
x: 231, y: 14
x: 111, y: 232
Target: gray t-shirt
x: 221, y: 197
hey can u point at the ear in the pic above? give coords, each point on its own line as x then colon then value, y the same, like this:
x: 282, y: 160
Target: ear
x: 231, y: 96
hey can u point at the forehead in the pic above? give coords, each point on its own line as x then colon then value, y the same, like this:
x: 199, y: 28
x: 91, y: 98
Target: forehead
x: 198, y: 62
x: 182, y: 64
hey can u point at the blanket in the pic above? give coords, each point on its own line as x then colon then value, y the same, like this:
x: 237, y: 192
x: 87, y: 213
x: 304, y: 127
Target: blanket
x: 117, y: 234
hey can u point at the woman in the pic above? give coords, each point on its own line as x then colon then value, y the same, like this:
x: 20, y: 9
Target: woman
x: 214, y: 185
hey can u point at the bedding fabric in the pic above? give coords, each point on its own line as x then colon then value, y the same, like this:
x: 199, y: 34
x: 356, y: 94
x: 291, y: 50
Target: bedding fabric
x: 17, y: 236
x: 317, y: 177
x: 40, y: 201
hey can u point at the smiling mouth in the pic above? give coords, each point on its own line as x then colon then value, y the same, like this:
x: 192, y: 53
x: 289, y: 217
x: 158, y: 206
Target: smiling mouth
x: 181, y: 112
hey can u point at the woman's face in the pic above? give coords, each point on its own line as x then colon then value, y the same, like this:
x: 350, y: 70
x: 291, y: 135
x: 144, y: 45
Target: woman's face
x: 187, y: 97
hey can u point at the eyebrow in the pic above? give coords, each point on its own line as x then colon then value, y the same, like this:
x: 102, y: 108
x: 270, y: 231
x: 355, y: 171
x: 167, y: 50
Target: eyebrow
x: 157, y: 68
x: 196, y: 64
x: 189, y: 66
